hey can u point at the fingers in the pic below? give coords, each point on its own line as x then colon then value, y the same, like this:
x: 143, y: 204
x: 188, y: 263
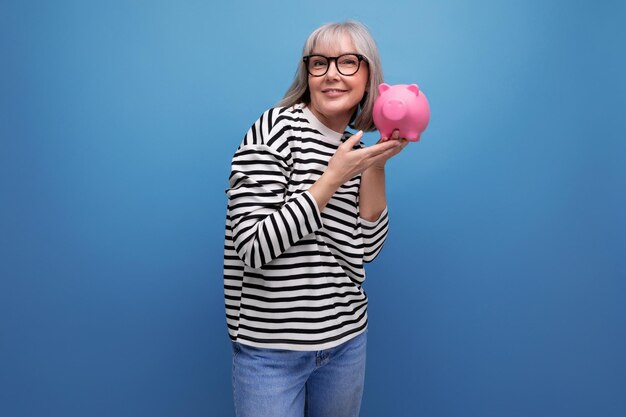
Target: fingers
x: 369, y: 151
x: 385, y: 148
x: 380, y: 147
x: 392, y: 151
x: 394, y: 135
x: 352, y: 141
x: 396, y: 150
x: 382, y: 158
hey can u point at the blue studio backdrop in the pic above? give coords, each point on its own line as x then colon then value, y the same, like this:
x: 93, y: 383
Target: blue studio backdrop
x: 500, y: 291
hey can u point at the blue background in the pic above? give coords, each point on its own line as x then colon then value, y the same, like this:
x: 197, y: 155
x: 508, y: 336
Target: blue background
x: 500, y: 291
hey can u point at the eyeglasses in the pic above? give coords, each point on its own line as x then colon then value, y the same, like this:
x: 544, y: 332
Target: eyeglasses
x: 347, y: 64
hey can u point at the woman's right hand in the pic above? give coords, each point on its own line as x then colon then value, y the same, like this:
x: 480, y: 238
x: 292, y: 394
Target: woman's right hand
x: 347, y: 162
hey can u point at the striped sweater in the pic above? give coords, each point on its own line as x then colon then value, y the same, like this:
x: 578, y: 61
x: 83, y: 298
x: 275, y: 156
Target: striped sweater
x: 293, y: 274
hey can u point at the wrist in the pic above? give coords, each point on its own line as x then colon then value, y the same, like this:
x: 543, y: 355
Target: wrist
x: 375, y: 170
x: 323, y: 189
x: 329, y: 180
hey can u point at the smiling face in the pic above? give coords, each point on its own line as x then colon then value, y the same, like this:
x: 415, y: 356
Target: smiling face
x: 335, y: 97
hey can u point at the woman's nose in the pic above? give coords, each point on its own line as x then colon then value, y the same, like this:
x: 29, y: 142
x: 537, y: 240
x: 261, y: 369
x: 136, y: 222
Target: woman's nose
x: 332, y: 69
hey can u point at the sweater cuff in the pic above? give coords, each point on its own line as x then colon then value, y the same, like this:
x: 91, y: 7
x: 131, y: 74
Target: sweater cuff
x: 311, y: 210
x: 366, y: 224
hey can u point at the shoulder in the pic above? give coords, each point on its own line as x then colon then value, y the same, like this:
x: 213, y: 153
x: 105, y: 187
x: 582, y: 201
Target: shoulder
x: 292, y: 116
x: 272, y: 130
x: 271, y: 124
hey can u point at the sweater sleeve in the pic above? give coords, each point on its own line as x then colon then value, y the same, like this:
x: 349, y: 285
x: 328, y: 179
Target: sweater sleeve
x: 374, y: 235
x: 264, y: 223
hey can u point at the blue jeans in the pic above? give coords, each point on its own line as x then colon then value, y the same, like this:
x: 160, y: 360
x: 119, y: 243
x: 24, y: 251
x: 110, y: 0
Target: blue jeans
x: 283, y: 383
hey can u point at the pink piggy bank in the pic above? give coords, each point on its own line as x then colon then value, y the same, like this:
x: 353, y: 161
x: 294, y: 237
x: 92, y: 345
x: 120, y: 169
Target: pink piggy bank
x: 403, y: 107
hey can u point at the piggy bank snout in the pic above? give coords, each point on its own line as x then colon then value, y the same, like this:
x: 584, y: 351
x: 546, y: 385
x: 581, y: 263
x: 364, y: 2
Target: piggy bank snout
x: 394, y: 109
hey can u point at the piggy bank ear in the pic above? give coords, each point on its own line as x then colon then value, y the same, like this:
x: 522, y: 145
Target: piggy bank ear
x: 414, y: 88
x: 383, y: 87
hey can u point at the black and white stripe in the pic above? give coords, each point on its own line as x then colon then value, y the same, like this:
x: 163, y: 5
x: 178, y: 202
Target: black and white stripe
x: 293, y: 274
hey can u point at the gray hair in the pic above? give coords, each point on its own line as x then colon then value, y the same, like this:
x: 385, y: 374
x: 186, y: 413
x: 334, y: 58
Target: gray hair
x: 365, y: 45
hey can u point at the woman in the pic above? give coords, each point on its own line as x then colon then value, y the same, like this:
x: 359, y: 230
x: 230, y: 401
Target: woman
x: 306, y: 210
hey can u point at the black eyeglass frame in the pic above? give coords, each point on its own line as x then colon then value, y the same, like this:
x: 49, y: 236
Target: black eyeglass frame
x: 330, y: 59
